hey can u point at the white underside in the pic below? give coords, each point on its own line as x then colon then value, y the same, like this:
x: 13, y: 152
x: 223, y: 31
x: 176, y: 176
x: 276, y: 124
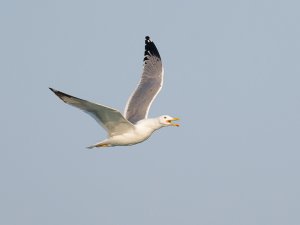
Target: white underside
x: 141, y: 132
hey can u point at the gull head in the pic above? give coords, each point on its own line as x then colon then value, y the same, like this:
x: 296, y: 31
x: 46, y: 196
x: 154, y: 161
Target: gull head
x: 166, y: 120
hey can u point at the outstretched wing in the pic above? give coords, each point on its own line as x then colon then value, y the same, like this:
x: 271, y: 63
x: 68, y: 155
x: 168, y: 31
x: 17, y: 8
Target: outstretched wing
x: 150, y: 84
x: 110, y: 119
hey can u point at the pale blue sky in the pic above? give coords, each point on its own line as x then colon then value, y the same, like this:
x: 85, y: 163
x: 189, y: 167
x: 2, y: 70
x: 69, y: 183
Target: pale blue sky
x: 232, y: 75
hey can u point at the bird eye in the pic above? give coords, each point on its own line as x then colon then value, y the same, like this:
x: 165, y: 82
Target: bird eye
x: 165, y: 117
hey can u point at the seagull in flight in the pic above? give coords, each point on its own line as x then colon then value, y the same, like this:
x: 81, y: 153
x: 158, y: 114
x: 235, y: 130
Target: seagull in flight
x: 133, y: 126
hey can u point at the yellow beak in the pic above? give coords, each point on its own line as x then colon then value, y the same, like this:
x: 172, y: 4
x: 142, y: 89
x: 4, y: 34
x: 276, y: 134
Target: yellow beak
x: 174, y: 124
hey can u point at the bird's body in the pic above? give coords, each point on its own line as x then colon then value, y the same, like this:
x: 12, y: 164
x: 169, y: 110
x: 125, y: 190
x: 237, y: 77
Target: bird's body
x: 134, y: 127
x: 141, y: 132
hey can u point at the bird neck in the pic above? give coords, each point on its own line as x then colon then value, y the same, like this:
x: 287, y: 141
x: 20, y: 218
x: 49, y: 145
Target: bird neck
x: 151, y: 123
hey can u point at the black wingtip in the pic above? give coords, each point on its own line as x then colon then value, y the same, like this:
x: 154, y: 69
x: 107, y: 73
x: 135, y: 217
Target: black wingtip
x: 150, y: 49
x: 60, y: 94
x: 52, y: 89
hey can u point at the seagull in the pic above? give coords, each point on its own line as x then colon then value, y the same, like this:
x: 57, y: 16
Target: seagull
x: 134, y: 126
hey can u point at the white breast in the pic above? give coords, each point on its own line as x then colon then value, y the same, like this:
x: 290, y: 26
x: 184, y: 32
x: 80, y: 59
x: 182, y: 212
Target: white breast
x: 143, y: 130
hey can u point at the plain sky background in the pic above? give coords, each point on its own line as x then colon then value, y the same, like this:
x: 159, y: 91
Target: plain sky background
x: 232, y: 74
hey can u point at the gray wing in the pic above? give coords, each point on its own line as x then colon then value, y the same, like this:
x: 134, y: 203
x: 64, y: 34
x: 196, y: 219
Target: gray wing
x: 150, y: 84
x: 110, y: 119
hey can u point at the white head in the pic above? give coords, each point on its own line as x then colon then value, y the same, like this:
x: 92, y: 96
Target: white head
x: 166, y: 120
